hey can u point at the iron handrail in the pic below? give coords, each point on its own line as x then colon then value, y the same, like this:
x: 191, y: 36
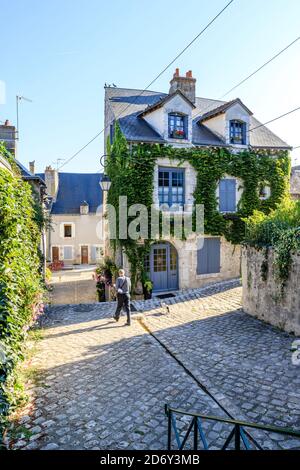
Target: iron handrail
x: 238, y: 431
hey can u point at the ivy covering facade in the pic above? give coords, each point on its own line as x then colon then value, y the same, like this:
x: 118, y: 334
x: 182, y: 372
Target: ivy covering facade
x: 21, y: 287
x: 131, y: 170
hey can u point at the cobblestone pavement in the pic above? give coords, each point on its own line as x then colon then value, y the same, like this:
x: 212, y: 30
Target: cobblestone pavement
x: 74, y: 286
x: 101, y: 385
x: 245, y: 363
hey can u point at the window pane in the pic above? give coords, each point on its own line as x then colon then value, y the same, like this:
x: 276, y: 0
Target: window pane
x: 68, y: 230
x: 159, y: 259
x: 177, y: 126
x: 147, y: 263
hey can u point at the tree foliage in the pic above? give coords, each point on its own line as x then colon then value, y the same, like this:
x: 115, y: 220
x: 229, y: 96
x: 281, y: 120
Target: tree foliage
x: 20, y: 278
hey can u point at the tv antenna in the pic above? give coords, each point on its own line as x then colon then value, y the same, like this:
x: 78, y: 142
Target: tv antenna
x: 18, y: 99
x: 57, y: 162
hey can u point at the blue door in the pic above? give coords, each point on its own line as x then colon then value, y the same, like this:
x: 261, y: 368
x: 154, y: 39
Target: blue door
x: 164, y: 267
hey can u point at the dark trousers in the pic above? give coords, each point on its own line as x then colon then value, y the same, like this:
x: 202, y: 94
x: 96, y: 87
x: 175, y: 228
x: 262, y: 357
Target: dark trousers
x: 123, y: 301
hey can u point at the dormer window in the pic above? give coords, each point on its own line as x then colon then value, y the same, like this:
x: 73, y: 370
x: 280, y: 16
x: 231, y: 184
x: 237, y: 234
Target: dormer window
x: 177, y: 126
x: 237, y: 132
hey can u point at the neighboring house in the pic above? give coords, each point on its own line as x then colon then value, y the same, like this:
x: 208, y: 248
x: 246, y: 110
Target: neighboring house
x: 76, y: 217
x: 8, y: 137
x: 295, y: 182
x: 181, y: 119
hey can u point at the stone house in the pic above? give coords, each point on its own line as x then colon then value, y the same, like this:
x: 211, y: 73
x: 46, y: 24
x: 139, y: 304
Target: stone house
x: 75, y: 206
x: 295, y: 182
x: 181, y: 119
x: 8, y: 137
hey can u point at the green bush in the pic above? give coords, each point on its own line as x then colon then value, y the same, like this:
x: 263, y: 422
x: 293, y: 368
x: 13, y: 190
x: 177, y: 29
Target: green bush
x: 21, y: 287
x: 281, y: 230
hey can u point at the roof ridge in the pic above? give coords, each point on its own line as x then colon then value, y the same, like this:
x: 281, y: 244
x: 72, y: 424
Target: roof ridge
x: 136, y: 89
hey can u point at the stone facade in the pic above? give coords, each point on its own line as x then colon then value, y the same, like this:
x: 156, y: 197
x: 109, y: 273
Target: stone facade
x: 86, y: 231
x: 295, y: 183
x: 263, y: 299
x: 187, y: 263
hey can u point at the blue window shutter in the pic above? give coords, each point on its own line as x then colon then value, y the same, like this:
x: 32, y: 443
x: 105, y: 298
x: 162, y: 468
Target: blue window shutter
x: 244, y: 134
x: 214, y: 255
x: 227, y: 195
x: 209, y: 256
x: 202, y: 259
x: 186, y: 130
x: 222, y: 196
x: 231, y: 195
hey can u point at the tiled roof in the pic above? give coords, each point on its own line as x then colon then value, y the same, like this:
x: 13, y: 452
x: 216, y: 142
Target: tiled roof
x: 74, y: 189
x: 128, y: 104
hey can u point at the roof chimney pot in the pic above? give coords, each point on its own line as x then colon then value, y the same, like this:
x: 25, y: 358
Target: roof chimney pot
x: 187, y: 85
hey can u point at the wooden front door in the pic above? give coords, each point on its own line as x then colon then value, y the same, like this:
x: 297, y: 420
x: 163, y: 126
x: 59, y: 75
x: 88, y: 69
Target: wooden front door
x: 55, y: 254
x: 84, y: 255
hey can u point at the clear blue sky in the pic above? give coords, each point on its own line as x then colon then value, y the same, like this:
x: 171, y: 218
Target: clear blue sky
x: 59, y: 53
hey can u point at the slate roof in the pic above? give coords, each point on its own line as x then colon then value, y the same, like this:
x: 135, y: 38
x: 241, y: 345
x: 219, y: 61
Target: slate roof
x: 127, y: 105
x: 27, y: 175
x: 222, y: 108
x: 164, y: 100
x: 75, y: 189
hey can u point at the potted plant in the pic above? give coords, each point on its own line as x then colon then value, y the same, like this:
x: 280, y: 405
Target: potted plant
x: 147, y: 287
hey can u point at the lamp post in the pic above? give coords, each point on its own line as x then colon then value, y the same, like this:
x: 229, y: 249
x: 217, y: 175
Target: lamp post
x: 105, y: 183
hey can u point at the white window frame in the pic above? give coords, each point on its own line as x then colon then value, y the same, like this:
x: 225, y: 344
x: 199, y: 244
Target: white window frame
x: 62, y: 230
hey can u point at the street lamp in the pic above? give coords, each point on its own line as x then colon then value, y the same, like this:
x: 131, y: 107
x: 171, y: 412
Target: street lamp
x: 105, y: 183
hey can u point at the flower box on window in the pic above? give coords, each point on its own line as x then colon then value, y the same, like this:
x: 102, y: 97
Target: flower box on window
x: 178, y: 134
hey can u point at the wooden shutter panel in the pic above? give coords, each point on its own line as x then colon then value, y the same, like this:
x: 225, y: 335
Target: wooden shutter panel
x: 208, y: 257
x: 202, y: 259
x: 214, y: 255
x: 227, y: 195
x: 222, y: 196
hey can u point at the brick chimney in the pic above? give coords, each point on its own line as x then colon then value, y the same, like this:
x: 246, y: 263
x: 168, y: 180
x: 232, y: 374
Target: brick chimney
x: 51, y: 181
x: 187, y: 85
x: 8, y: 136
x: 32, y: 167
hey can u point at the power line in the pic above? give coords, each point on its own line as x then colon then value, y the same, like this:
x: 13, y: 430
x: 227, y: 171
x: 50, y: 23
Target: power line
x: 261, y: 67
x: 151, y: 83
x: 275, y: 119
x: 252, y: 74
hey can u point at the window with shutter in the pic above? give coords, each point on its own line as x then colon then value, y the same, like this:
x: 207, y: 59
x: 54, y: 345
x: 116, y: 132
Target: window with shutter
x: 68, y: 252
x: 227, y: 195
x: 171, y: 186
x: 208, y: 257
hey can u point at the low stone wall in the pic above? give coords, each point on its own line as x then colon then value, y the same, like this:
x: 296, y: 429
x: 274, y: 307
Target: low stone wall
x: 263, y: 299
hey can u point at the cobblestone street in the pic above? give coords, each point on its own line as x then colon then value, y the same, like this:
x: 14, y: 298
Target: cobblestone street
x: 102, y: 385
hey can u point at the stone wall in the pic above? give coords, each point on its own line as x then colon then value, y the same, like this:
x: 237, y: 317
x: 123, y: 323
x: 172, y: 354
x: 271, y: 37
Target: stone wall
x: 263, y: 299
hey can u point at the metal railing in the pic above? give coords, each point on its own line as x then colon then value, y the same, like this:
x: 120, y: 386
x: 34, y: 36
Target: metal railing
x: 238, y: 437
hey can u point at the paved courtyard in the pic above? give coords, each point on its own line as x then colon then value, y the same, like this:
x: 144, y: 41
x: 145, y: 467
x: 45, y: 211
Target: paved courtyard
x: 74, y: 286
x: 101, y: 385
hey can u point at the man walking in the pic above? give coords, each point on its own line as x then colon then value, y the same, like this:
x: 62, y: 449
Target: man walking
x: 123, y: 287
